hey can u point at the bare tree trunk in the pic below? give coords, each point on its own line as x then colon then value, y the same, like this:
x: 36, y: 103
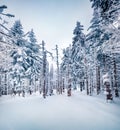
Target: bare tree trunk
x: 63, y: 89
x: 44, y: 90
x: 44, y: 70
x: 58, y: 78
x: 115, y: 79
x: 69, y: 73
x: 87, y: 85
x: 98, y: 79
x: 0, y: 84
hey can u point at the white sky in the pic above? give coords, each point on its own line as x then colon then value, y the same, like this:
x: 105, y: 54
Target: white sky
x: 52, y: 20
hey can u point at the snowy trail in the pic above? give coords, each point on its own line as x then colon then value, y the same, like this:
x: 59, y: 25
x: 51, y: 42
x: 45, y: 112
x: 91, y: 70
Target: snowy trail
x: 59, y: 112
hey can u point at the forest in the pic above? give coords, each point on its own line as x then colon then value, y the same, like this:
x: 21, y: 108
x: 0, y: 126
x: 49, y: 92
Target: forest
x: 91, y: 63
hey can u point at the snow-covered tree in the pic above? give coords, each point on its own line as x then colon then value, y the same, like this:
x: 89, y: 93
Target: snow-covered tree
x: 66, y: 70
x: 18, y: 55
x: 5, y: 49
x: 17, y: 32
x: 34, y: 59
x: 78, y: 51
x: 3, y: 28
x: 27, y: 58
x: 106, y: 14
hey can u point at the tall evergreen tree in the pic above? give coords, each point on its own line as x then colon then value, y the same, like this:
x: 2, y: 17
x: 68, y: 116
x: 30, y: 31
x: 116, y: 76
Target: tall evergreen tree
x: 34, y: 58
x: 78, y: 50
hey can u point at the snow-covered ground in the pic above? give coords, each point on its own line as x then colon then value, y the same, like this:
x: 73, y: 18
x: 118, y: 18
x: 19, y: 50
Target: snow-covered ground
x: 59, y: 112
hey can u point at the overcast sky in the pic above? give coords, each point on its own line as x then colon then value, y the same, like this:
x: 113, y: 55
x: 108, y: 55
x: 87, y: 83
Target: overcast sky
x: 52, y: 20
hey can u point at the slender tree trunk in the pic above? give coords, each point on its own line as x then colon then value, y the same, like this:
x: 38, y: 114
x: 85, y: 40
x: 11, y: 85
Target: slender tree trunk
x: 115, y: 79
x: 6, y: 85
x: 87, y: 85
x: 69, y: 74
x: 0, y: 85
x: 63, y: 89
x: 98, y: 79
x: 44, y: 90
x: 44, y: 70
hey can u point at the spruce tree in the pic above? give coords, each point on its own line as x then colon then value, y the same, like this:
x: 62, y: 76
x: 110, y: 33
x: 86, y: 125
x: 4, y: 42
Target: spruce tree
x: 78, y: 50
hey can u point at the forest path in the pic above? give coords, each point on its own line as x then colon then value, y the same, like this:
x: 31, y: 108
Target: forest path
x: 59, y: 112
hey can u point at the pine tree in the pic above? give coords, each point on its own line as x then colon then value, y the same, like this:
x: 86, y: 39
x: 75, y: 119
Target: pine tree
x: 17, y: 32
x: 18, y: 55
x: 34, y: 58
x: 79, y: 37
x: 78, y: 50
x: 31, y: 36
